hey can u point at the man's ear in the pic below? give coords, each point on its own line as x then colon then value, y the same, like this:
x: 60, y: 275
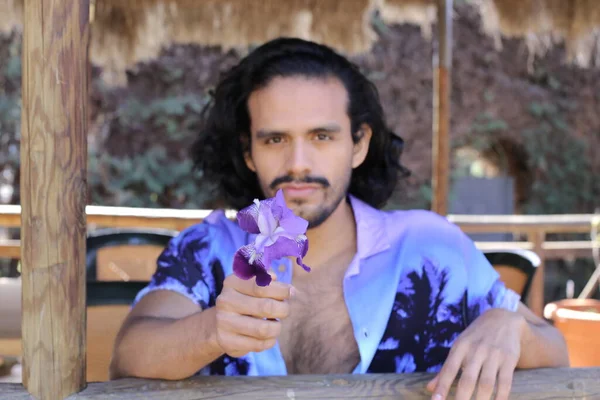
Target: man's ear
x: 247, y: 156
x: 361, y: 148
x: 249, y: 162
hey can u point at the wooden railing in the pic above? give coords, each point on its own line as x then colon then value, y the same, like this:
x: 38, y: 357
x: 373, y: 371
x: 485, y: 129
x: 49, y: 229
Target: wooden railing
x: 534, y: 227
x: 539, y: 384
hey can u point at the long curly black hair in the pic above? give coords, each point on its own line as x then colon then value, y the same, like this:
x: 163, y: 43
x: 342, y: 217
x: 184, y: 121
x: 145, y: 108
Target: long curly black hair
x: 224, y: 137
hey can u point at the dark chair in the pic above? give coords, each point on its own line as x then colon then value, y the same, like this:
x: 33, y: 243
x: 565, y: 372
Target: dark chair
x: 516, y: 268
x: 118, y: 254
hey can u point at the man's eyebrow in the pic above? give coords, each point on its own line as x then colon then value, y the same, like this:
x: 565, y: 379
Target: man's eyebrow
x: 264, y: 133
x: 331, y: 128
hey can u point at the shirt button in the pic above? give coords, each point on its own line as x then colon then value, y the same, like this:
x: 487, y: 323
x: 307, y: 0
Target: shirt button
x: 281, y: 267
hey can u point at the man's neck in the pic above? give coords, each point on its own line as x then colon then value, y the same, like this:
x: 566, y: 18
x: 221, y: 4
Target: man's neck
x: 336, y: 234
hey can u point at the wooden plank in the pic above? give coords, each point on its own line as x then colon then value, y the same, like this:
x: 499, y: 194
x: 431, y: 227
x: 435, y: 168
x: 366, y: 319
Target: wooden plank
x: 442, y: 67
x: 103, y: 216
x: 172, y: 219
x: 560, y: 383
x: 10, y: 215
x: 551, y: 250
x: 53, y: 195
x: 535, y: 299
x: 10, y: 249
x: 564, y: 223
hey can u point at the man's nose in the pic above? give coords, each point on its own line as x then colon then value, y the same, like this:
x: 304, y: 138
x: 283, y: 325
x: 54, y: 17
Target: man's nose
x: 299, y: 159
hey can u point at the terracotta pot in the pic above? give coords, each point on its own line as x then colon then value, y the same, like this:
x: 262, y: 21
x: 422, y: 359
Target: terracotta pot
x: 579, y: 322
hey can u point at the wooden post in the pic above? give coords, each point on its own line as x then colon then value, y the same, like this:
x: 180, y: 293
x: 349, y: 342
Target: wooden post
x: 442, y: 67
x: 53, y: 196
x: 535, y: 299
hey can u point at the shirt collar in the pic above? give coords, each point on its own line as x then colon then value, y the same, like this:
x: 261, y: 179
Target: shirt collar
x: 371, y: 233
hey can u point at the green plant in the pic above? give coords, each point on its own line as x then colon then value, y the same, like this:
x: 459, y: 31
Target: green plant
x: 564, y: 176
x: 150, y: 179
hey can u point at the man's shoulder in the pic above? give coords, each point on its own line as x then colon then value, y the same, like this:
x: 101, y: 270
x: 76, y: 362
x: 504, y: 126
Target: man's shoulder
x: 425, y: 234
x: 422, y: 224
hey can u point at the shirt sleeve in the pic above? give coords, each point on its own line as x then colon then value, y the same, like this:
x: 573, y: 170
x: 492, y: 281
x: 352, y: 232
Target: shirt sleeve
x: 189, y: 267
x: 484, y: 290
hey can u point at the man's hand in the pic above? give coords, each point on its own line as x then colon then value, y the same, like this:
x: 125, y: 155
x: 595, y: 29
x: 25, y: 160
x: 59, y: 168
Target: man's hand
x: 486, y: 352
x: 248, y: 315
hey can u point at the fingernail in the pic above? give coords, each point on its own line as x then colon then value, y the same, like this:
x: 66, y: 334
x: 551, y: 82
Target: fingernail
x: 437, y: 397
x: 292, y: 291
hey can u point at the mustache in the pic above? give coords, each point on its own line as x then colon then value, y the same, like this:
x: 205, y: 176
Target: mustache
x: 307, y: 179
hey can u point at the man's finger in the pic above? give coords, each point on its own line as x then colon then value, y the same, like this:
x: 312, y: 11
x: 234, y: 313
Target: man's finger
x: 276, y: 290
x: 470, y: 375
x: 259, y: 307
x: 449, y: 371
x: 433, y: 383
x: 238, y: 345
x: 261, y: 329
x: 487, y: 379
x: 505, y: 379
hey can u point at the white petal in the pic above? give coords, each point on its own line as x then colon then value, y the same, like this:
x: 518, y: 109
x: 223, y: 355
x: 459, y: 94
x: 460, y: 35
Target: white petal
x: 266, y: 221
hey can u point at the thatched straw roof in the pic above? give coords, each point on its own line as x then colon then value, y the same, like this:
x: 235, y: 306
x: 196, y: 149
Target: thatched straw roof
x: 544, y: 23
x: 124, y: 32
x: 127, y: 31
x: 416, y: 12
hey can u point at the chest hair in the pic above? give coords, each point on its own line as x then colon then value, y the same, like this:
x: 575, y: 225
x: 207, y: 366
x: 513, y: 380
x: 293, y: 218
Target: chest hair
x: 318, y: 337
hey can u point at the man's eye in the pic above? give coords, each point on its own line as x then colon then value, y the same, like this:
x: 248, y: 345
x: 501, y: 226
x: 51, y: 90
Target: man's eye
x: 274, y: 140
x: 323, y: 136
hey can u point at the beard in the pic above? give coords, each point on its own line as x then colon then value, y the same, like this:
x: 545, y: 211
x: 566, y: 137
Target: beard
x: 320, y: 214
x: 333, y: 197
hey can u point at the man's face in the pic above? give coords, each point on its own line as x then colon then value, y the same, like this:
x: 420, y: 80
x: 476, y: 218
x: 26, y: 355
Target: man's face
x: 301, y: 142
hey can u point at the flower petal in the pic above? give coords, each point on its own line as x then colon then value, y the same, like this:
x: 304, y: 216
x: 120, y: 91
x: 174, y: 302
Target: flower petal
x: 283, y: 247
x: 247, y: 218
x: 278, y: 205
x: 263, y: 278
x: 267, y: 223
x: 286, y: 247
x: 242, y: 267
x: 301, y: 263
x: 293, y: 224
x: 302, y: 241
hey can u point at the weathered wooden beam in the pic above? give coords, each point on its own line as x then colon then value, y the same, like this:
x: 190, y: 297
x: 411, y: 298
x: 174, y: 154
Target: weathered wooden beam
x: 541, y: 384
x: 442, y: 82
x: 535, y: 299
x: 168, y: 218
x: 53, y: 195
x: 563, y: 223
x: 10, y: 217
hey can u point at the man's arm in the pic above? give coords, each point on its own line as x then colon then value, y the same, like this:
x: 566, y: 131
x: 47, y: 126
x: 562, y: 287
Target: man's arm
x: 542, y: 345
x: 166, y: 336
x: 490, y: 349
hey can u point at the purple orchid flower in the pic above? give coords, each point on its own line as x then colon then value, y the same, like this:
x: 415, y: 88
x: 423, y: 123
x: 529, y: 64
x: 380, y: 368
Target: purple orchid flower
x: 280, y: 233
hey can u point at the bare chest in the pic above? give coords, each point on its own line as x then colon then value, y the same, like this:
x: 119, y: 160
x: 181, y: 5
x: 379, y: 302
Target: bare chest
x: 318, y: 337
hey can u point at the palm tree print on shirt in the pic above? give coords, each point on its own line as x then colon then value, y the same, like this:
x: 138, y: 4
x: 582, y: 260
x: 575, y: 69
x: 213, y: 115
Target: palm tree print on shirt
x: 422, y: 325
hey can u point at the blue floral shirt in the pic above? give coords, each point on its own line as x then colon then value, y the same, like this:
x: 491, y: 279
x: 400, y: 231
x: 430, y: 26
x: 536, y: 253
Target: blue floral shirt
x: 416, y: 282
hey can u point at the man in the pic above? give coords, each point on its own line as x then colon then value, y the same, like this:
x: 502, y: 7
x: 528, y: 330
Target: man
x: 398, y: 291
